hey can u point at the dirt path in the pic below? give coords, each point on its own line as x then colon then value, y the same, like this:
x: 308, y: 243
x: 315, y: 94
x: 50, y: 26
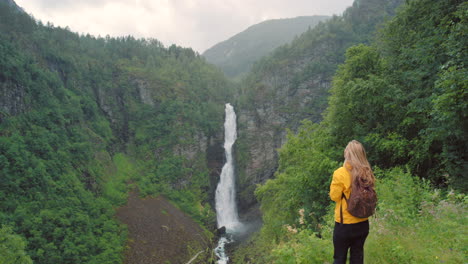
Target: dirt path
x: 161, y: 233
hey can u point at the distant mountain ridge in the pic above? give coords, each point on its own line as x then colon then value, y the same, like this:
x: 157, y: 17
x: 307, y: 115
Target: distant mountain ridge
x: 236, y: 55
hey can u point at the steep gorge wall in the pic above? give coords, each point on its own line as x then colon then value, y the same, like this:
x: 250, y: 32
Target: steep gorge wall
x: 280, y: 104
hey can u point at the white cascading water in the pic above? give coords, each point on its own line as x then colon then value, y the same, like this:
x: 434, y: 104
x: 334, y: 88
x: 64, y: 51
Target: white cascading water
x: 225, y: 197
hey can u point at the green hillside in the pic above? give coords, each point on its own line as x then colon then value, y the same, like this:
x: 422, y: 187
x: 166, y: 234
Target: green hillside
x: 236, y: 55
x: 83, y: 119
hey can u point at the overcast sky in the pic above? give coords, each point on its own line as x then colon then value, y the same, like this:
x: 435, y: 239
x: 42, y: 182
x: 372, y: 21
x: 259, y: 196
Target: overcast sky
x: 198, y: 24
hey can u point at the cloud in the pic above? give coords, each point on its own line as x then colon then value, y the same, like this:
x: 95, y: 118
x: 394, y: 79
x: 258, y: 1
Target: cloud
x: 198, y: 24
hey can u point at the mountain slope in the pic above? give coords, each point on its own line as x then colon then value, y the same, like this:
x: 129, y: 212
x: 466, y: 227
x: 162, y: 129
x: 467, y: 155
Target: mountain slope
x: 236, y: 55
x: 81, y: 116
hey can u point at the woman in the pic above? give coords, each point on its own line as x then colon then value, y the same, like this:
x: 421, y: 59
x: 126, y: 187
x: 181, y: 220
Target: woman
x: 350, y: 232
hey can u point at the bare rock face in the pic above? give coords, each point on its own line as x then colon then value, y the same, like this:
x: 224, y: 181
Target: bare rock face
x: 144, y: 92
x: 12, y: 98
x: 207, y: 147
x: 194, y: 146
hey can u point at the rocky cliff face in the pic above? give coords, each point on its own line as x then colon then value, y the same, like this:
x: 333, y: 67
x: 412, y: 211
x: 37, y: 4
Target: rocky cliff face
x: 12, y: 96
x: 207, y: 147
x: 280, y: 104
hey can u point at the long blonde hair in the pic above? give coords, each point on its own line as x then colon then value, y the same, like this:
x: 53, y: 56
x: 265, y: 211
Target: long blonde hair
x: 355, y: 155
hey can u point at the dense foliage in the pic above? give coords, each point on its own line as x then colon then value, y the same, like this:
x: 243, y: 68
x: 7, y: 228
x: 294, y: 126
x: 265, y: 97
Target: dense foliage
x: 81, y: 118
x: 404, y: 96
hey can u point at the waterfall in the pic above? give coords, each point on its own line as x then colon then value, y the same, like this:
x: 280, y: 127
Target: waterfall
x: 225, y: 197
x: 226, y: 209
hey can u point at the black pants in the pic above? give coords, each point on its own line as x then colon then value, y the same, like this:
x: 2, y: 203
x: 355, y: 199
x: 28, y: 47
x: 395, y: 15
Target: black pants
x: 346, y: 236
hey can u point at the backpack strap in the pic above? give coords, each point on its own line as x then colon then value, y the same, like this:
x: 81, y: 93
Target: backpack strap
x: 341, y: 206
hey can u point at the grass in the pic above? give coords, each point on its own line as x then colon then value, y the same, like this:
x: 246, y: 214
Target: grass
x: 117, y: 184
x: 437, y: 235
x: 413, y: 224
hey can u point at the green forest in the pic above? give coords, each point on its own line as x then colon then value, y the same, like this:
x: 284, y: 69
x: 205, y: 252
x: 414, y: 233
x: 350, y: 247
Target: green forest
x: 84, y: 120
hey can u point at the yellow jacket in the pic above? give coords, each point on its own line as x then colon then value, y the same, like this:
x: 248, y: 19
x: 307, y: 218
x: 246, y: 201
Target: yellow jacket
x: 341, y: 183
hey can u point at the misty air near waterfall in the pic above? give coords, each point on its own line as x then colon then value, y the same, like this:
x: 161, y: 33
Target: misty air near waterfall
x: 195, y: 132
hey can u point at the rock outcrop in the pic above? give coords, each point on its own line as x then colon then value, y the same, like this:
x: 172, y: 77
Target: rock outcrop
x: 12, y: 99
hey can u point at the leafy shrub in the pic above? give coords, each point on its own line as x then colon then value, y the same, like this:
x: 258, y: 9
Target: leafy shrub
x: 12, y: 247
x: 400, y: 195
x: 301, y: 181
